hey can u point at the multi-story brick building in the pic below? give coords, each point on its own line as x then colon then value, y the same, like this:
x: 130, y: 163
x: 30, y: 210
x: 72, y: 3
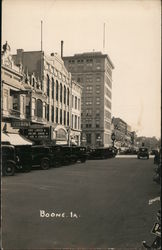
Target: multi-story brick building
x: 93, y: 71
x: 37, y: 92
x: 55, y: 86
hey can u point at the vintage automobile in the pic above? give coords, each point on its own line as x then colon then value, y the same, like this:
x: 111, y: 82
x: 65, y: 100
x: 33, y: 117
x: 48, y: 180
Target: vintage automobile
x: 79, y: 153
x: 102, y: 153
x: 63, y: 155
x: 143, y: 153
x: 24, y: 158
x: 8, y: 160
x: 41, y: 156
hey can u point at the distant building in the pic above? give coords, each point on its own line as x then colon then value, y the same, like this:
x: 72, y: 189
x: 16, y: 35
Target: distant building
x: 124, y: 137
x: 93, y: 71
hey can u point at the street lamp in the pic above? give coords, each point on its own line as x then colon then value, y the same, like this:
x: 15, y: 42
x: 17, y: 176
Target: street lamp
x: 99, y: 140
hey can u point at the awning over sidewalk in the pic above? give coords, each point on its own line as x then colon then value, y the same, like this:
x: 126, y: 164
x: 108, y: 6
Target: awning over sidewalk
x: 15, y: 139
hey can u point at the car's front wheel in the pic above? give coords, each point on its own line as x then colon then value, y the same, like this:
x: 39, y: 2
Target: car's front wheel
x: 9, y: 169
x: 45, y: 164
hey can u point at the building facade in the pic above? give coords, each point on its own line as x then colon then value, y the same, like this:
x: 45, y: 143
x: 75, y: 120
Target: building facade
x: 13, y: 92
x: 93, y: 71
x: 38, y: 92
x: 76, y: 113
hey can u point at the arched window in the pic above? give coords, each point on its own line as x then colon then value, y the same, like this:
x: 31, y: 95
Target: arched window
x: 39, y: 108
x: 68, y: 96
x: 60, y: 92
x: 57, y: 89
x: 64, y: 95
x: 53, y: 89
x: 48, y: 85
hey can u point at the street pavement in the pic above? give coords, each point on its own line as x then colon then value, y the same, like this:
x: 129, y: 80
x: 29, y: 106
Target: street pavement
x: 97, y: 204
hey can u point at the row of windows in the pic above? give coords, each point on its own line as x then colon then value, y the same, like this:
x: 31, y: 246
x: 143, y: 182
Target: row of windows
x: 81, y: 60
x: 62, y: 93
x: 88, y: 112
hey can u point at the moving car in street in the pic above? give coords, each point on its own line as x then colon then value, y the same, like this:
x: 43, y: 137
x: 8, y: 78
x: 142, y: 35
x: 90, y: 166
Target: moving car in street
x: 143, y: 153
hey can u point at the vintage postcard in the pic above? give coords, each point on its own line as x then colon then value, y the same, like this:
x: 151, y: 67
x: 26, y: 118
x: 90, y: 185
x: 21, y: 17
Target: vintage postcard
x: 80, y: 124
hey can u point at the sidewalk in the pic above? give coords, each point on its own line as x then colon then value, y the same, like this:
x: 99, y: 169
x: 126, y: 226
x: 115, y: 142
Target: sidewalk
x: 130, y: 156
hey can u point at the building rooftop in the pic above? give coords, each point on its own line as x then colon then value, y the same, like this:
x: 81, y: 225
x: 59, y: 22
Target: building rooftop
x: 90, y: 54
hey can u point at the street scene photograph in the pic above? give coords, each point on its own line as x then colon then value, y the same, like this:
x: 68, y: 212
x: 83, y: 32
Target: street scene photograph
x: 81, y: 124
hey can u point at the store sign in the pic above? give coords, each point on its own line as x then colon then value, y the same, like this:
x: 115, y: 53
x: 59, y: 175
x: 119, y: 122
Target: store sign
x: 20, y: 124
x: 37, y: 133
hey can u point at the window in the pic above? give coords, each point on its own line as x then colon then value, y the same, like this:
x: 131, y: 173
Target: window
x: 67, y: 118
x: 75, y: 102
x: 64, y: 117
x: 78, y: 122
x: 88, y: 136
x: 60, y: 116
x: 75, y: 122
x: 107, y: 114
x: 47, y: 112
x: 52, y: 113
x: 5, y: 99
x: 53, y: 88
x: 108, y: 92
x: 68, y: 96
x: 57, y: 89
x: 107, y: 103
x: 89, y: 89
x: 88, y: 123
x: 72, y: 121
x: 60, y: 92
x: 78, y: 104
x: 72, y: 101
x: 89, y: 101
x: 88, y: 112
x: 48, y: 85
x: 97, y: 123
x: 98, y: 79
x: 56, y: 115
x: 97, y: 89
x: 97, y: 112
x: 64, y: 95
x: 97, y: 100
x: 39, y: 105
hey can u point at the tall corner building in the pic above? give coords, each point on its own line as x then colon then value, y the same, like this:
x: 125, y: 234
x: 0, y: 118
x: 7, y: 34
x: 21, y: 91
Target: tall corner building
x: 93, y: 71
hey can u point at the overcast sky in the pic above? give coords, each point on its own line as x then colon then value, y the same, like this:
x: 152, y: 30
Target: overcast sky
x: 132, y: 40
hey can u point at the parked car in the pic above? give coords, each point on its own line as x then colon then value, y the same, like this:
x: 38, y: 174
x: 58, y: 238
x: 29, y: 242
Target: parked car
x: 79, y: 153
x: 101, y: 153
x: 42, y: 156
x: 143, y: 153
x: 63, y: 155
x: 8, y: 160
x: 24, y: 158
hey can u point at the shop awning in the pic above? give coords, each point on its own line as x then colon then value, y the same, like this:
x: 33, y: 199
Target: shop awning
x: 15, y: 139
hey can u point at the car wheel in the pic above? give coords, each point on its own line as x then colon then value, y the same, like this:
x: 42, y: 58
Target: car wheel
x: 9, y: 169
x: 45, y: 164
